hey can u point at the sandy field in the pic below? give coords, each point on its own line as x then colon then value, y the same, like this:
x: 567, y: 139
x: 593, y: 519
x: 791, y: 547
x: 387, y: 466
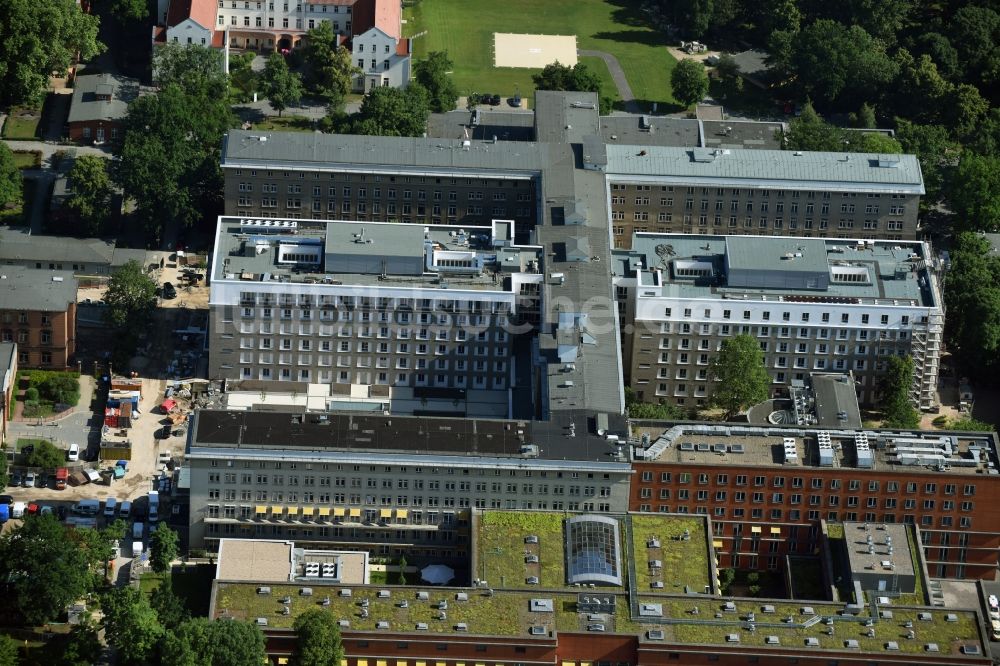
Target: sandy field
x: 535, y: 51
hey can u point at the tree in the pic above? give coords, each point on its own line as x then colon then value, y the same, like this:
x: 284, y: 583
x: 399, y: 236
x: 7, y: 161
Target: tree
x: 739, y: 373
x: 168, y: 606
x: 8, y: 651
x: 727, y: 71
x: 810, y: 132
x: 243, y: 80
x: 933, y: 147
x: 4, y: 476
x: 330, y: 71
x: 967, y: 108
x: 579, y: 78
x: 281, y: 86
x: 433, y: 73
x: 834, y: 62
x: 692, y: 16
x: 392, y: 112
x: 318, y: 641
x: 973, y: 192
x: 689, y: 82
x: 941, y: 51
x: 201, y: 642
x: 82, y: 646
x: 647, y: 411
x: 169, y: 161
x: 131, y: 625
x: 894, y: 392
x: 37, y: 38
x: 162, y: 549
x: 129, y: 11
x: 10, y: 176
x: 44, y: 570
x: 866, y: 117
x: 969, y: 424
x: 972, y: 297
x: 197, y: 70
x: 975, y: 32
x: 63, y: 389
x: 873, y: 142
x: 92, y: 189
x: 129, y: 297
x: 402, y: 570
x: 46, y: 456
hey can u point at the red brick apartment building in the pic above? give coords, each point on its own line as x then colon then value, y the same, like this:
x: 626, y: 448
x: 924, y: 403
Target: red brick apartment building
x: 38, y: 313
x: 765, y: 499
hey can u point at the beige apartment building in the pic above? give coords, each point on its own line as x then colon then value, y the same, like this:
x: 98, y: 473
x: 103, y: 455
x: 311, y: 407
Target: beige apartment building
x: 815, y: 305
x: 762, y: 192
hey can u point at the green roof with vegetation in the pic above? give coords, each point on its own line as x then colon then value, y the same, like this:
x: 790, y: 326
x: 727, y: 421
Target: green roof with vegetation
x: 683, y: 551
x: 691, y: 619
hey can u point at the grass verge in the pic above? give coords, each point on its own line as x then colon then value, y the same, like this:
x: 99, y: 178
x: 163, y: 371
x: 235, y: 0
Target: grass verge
x: 22, y: 123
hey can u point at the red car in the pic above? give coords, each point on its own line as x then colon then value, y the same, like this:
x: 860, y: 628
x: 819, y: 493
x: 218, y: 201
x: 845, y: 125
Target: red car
x: 33, y: 508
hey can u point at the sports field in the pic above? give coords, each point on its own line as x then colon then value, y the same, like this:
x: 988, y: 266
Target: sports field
x: 465, y: 29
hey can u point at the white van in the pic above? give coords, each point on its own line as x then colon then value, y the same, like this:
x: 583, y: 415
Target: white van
x: 73, y: 453
x: 110, y: 507
x: 87, y: 507
x: 124, y: 509
x: 17, y: 510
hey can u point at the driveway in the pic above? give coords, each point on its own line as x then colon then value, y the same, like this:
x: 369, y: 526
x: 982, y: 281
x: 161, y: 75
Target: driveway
x: 618, y: 75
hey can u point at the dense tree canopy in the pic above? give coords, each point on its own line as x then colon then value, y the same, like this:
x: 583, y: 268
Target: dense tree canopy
x: 577, y: 78
x: 972, y: 296
x: 391, y: 112
x: 894, y: 390
x: 195, y: 69
x: 162, y: 549
x: 130, y: 298
x: 201, y: 642
x: 434, y: 74
x: 131, y: 625
x: 169, y: 161
x: 92, y: 189
x: 37, y: 38
x: 329, y: 69
x: 45, y: 455
x: 8, y: 651
x: 742, y: 380
x: 10, y: 176
x: 44, y: 571
x: 973, y: 192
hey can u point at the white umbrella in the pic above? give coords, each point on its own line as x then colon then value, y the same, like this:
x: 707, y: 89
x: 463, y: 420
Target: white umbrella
x: 437, y: 574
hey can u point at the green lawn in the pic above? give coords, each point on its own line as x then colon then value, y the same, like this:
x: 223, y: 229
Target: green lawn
x: 25, y: 441
x: 27, y: 159
x: 286, y: 124
x: 465, y: 29
x: 21, y: 124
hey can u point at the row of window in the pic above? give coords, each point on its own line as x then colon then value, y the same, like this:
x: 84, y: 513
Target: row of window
x: 379, y: 178
x: 362, y: 193
x: 764, y: 206
x: 440, y: 380
x: 815, y: 483
x: 248, y: 512
x: 362, y: 208
x: 794, y: 515
x: 748, y: 223
x: 736, y: 192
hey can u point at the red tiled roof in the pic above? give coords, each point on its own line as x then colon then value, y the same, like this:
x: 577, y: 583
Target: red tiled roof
x: 403, y: 47
x: 218, y: 39
x: 159, y: 34
x: 386, y: 15
x: 201, y: 11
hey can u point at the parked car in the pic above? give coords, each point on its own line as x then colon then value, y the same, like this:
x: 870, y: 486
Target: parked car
x: 73, y: 453
x: 29, y: 480
x: 61, y: 512
x: 15, y: 479
x: 494, y: 100
x: 6, y: 499
x: 168, y: 291
x: 994, y: 602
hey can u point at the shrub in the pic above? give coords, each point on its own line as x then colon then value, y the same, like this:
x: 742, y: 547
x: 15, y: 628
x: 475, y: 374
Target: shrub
x: 31, y: 395
x: 62, y: 389
x: 754, y: 590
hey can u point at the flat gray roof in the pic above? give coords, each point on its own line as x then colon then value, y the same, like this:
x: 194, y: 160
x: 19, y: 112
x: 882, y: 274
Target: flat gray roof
x: 22, y: 246
x: 782, y: 169
x: 747, y: 134
x: 365, y: 434
x: 327, y: 152
x: 36, y: 289
x: 504, y: 125
x: 627, y: 129
x: 835, y: 395
x: 895, y: 268
x: 890, y: 544
x: 85, y: 105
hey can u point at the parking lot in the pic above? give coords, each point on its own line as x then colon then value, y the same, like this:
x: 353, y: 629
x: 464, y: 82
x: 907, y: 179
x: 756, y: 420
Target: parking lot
x: 84, y: 428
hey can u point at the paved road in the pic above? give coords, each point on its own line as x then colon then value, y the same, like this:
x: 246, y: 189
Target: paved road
x: 50, y: 148
x: 618, y: 75
x: 256, y: 111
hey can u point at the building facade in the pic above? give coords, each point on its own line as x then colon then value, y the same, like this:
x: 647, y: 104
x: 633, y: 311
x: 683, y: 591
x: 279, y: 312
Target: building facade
x: 767, y: 489
x: 8, y: 383
x: 369, y: 303
x: 761, y: 192
x: 815, y: 305
x: 384, y: 60
x: 403, y: 485
x: 38, y: 312
x: 99, y: 106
